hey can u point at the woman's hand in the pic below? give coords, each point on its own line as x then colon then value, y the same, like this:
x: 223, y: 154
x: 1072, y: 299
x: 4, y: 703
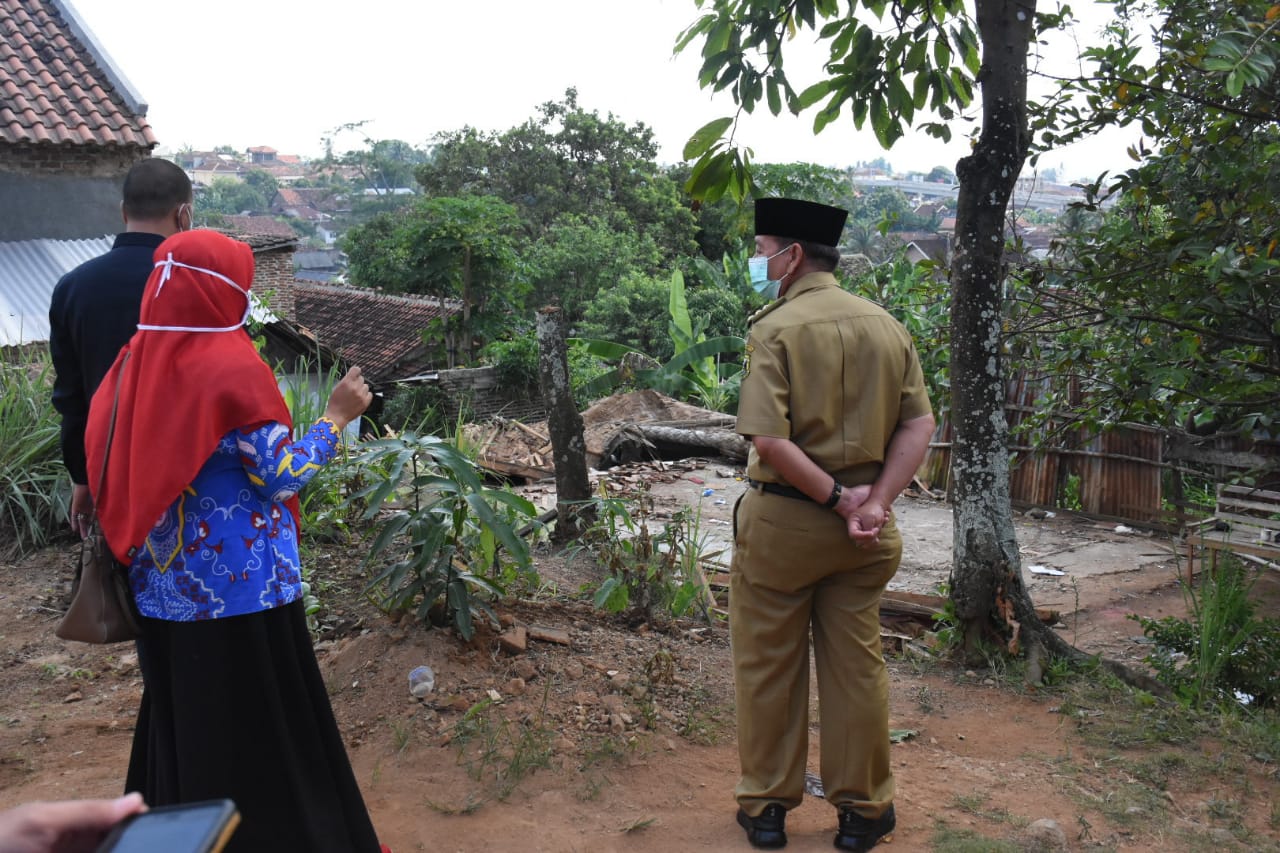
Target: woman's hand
x: 350, y: 397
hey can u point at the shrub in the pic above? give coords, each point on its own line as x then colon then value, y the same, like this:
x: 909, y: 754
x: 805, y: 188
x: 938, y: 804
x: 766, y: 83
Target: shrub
x: 441, y: 533
x: 1224, y: 652
x: 34, y: 486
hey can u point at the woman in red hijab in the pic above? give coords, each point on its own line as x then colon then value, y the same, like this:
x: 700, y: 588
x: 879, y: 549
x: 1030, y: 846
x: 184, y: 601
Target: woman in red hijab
x: 199, y: 500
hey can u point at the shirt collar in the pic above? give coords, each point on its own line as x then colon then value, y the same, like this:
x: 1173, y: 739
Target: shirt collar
x: 808, y: 282
x: 137, y: 238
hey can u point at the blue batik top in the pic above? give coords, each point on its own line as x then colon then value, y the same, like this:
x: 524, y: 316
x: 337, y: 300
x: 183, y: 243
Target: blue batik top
x: 228, y: 545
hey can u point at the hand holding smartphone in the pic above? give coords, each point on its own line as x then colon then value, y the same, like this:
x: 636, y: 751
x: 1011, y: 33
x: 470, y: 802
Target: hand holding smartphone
x: 203, y: 827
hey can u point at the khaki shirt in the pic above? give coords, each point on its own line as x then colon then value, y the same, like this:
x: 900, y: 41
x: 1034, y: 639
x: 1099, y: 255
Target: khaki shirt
x: 832, y: 372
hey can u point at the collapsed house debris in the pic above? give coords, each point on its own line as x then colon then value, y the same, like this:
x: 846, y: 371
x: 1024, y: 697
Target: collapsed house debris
x: 619, y: 429
x: 629, y: 435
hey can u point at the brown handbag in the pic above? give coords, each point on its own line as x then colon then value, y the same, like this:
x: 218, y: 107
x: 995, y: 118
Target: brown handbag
x: 102, y: 608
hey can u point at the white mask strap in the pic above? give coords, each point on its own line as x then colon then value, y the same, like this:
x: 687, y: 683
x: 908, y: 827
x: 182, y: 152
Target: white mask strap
x: 169, y: 263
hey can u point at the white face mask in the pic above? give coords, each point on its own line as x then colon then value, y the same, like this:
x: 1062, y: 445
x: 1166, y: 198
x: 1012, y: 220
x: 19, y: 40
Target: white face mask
x: 169, y: 263
x: 191, y: 216
x: 759, y: 269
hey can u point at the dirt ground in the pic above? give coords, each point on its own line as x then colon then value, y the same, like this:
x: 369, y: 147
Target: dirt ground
x: 623, y: 739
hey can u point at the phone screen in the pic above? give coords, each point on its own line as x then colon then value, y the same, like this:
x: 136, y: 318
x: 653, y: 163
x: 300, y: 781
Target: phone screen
x: 194, y: 828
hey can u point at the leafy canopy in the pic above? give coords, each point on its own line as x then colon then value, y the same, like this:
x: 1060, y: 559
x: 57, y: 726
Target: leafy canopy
x: 922, y: 59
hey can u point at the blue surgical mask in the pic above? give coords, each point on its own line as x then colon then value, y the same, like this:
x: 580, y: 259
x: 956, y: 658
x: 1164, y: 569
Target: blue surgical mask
x: 759, y: 270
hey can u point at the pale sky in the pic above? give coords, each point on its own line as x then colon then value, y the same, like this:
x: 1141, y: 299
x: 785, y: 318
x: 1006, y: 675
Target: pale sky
x: 285, y: 73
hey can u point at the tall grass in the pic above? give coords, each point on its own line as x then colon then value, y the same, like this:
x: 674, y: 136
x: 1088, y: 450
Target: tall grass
x: 322, y: 501
x: 34, y: 487
x: 1224, y: 652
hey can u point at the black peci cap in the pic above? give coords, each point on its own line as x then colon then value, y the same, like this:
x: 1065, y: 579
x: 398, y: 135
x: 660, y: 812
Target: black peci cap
x: 800, y: 220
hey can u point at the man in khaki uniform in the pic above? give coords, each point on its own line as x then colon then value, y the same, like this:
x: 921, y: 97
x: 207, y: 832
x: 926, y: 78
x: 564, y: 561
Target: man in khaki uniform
x: 834, y: 404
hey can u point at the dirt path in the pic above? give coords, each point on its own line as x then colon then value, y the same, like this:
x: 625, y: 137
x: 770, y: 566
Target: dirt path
x: 623, y: 739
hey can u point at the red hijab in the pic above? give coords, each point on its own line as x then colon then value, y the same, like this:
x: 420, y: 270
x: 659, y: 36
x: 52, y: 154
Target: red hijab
x: 189, y: 375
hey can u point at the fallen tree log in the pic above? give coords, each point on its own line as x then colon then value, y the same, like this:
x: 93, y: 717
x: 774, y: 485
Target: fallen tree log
x: 722, y: 441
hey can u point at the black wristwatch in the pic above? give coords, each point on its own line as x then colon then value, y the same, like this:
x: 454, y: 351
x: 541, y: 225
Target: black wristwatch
x: 834, y: 499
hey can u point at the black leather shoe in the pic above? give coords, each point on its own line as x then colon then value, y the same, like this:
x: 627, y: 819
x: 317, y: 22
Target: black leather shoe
x: 858, y: 833
x: 768, y: 831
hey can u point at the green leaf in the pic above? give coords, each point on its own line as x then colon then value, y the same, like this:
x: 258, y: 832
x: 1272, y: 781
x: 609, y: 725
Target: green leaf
x: 706, y: 136
x: 920, y: 90
x: 915, y: 58
x: 941, y: 54
x: 813, y: 94
x: 607, y: 350
x: 880, y: 120
x: 710, y: 176
x: 775, y: 98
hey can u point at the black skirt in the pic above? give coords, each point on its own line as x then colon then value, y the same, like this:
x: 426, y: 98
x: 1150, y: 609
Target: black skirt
x: 237, y: 708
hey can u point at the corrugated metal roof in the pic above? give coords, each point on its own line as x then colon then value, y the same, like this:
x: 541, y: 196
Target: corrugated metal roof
x: 29, y: 269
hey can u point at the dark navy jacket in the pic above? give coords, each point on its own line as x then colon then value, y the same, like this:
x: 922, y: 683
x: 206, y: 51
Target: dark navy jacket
x: 93, y: 313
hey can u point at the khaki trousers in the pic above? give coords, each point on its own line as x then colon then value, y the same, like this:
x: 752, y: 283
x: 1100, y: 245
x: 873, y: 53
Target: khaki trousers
x: 795, y: 570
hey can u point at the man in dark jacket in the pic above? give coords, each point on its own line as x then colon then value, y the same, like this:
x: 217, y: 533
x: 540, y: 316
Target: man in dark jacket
x: 94, y: 310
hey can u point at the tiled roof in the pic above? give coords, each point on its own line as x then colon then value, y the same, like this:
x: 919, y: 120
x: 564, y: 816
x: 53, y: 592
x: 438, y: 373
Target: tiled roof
x: 57, y: 86
x: 267, y: 226
x: 262, y: 149
x: 290, y: 198
x: 379, y: 332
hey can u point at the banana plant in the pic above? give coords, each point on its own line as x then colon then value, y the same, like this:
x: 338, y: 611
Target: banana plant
x: 696, y: 371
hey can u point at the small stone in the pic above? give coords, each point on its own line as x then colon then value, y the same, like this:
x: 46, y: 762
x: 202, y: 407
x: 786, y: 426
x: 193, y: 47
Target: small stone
x: 573, y: 670
x: 1045, y: 836
x: 1222, y: 837
x: 514, y: 640
x: 73, y: 696
x: 621, y: 680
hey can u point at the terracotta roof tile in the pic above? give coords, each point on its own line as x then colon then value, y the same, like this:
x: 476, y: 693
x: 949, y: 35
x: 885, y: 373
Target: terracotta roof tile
x: 56, y: 90
x: 379, y: 332
x: 266, y: 226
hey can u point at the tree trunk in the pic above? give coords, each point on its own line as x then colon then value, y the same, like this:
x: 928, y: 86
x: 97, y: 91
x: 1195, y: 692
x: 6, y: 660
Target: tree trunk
x: 724, y: 442
x: 987, y: 585
x: 574, y: 512
x: 986, y: 575
x: 466, y: 304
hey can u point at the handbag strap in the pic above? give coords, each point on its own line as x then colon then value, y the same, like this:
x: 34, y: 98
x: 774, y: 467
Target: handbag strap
x: 111, y: 432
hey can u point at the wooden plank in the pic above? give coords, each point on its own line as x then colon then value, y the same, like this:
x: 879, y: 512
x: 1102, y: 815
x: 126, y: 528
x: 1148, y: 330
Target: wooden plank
x: 1248, y: 520
x: 1251, y: 548
x: 1250, y: 492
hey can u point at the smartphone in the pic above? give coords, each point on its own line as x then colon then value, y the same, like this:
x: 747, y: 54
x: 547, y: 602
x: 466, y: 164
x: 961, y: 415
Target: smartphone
x: 203, y: 827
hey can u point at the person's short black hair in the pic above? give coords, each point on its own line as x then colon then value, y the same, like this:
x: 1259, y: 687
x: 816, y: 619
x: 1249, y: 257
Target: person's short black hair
x: 154, y: 187
x: 825, y: 258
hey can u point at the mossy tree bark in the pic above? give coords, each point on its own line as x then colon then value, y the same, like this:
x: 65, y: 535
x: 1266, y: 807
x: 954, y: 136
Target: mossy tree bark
x: 574, y: 512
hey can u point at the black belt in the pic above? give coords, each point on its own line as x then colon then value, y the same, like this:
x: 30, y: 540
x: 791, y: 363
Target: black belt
x: 778, y: 489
